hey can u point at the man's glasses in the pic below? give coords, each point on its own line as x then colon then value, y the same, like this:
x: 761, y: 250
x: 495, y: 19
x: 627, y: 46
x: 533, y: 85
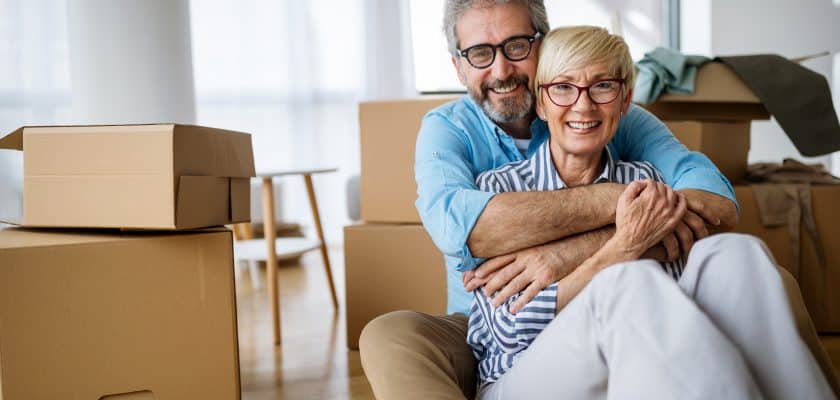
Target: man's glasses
x: 516, y: 48
x: 565, y: 94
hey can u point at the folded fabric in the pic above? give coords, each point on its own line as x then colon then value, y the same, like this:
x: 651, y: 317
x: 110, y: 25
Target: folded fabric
x: 790, y: 171
x: 665, y: 70
x: 799, y: 99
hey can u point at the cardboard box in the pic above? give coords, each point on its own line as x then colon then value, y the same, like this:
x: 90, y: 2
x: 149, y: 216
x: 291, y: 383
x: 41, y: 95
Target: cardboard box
x: 160, y: 176
x: 818, y: 285
x: 831, y: 344
x: 719, y: 94
x: 389, y: 134
x: 725, y: 143
x: 133, y: 315
x: 390, y: 267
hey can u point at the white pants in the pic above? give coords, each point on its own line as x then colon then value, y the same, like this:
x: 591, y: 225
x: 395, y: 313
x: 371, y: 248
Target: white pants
x: 724, y: 331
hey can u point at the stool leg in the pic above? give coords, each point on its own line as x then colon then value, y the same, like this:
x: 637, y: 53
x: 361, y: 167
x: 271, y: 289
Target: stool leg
x: 317, y: 219
x: 271, y: 261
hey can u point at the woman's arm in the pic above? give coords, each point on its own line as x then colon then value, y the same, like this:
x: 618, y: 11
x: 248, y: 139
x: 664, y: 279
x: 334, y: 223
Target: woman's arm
x: 646, y: 212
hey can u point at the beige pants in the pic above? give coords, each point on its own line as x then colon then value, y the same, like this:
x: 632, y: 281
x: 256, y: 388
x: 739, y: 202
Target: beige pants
x: 409, y: 355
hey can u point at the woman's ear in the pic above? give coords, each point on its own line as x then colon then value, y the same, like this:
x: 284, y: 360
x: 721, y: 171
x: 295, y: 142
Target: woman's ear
x: 540, y: 111
x: 628, y: 98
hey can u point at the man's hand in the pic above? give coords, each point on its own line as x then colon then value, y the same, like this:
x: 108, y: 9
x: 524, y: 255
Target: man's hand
x: 527, y: 271
x: 678, y: 244
x: 716, y: 211
x: 705, y: 211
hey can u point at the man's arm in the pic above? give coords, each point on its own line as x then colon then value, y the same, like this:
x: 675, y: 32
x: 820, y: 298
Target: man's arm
x: 448, y: 200
x: 517, y: 220
x: 542, y: 217
x: 643, y: 137
x: 531, y: 270
x: 454, y: 210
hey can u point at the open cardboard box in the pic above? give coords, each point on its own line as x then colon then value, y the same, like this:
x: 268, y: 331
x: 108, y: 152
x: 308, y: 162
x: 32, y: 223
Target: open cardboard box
x: 719, y: 94
x: 117, y: 315
x: 157, y: 176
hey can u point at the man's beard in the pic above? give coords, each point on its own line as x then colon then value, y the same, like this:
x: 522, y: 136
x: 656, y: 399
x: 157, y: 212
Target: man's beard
x: 512, y: 108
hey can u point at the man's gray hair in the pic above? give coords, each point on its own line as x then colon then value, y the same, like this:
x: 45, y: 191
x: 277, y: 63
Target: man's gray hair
x: 454, y: 9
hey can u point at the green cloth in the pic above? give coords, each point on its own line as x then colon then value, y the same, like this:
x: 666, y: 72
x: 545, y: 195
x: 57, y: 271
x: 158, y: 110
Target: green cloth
x: 664, y: 70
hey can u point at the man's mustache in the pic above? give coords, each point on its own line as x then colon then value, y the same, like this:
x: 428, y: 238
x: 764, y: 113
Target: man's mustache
x: 513, y: 80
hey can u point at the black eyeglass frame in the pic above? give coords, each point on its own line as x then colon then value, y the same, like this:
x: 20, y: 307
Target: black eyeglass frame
x: 531, y: 39
x: 581, y: 89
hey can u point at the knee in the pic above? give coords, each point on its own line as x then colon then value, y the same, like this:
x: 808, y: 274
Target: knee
x: 629, y: 275
x: 730, y: 241
x: 733, y: 257
x: 387, y: 329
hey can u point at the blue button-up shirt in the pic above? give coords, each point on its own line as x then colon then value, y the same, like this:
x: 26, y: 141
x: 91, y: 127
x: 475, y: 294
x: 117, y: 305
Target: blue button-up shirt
x: 457, y: 141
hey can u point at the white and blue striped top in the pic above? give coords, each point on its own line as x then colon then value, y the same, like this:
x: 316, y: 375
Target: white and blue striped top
x: 496, y: 336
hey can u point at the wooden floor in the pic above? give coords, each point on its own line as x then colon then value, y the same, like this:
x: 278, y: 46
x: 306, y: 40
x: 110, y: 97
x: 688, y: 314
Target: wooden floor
x: 313, y: 361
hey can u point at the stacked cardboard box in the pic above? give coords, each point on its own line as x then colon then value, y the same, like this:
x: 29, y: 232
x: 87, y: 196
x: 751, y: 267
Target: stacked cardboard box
x: 390, y: 261
x: 817, y: 281
x: 715, y: 119
x: 148, y: 312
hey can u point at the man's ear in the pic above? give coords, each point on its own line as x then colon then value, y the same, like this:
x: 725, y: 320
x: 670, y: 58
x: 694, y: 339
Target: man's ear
x: 458, y: 71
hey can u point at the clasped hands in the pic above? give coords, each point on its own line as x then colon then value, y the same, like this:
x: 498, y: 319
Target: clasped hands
x: 532, y: 269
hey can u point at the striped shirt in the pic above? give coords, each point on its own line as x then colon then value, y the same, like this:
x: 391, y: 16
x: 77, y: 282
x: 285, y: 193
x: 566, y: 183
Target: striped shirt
x: 498, y: 337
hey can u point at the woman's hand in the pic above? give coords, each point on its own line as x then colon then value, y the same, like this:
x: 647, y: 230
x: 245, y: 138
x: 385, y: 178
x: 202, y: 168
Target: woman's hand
x: 647, y: 211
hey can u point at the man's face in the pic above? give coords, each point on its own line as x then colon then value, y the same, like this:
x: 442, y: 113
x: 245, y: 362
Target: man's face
x: 502, y: 89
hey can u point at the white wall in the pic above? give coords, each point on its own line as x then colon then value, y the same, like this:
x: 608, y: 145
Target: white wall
x: 785, y: 27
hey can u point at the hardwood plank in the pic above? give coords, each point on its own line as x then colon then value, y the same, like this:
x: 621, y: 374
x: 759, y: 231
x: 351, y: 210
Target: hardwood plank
x: 312, y: 362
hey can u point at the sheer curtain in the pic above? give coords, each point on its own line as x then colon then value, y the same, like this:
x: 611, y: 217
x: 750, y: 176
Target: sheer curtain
x: 289, y: 72
x: 34, y: 80
x: 292, y: 73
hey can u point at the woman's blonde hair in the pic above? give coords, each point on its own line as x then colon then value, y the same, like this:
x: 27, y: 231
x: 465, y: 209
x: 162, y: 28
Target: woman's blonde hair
x: 575, y: 47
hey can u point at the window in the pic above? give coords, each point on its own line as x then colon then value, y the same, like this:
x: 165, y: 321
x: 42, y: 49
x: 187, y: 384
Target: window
x: 641, y: 23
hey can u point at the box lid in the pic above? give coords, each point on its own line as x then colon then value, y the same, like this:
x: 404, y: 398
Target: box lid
x: 194, y: 150
x: 715, y: 83
x: 719, y: 94
x: 19, y: 238
x: 13, y: 141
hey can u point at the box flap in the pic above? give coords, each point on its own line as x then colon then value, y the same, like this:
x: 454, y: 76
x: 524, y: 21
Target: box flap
x: 240, y: 200
x: 202, y: 201
x: 21, y: 237
x: 13, y: 141
x: 202, y: 151
x: 17, y: 221
x: 715, y: 83
x: 18, y: 238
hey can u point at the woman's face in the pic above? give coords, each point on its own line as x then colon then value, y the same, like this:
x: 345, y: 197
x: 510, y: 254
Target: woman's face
x: 583, y: 128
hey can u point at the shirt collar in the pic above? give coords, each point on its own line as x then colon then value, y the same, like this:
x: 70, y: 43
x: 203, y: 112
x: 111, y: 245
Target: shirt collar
x: 539, y: 129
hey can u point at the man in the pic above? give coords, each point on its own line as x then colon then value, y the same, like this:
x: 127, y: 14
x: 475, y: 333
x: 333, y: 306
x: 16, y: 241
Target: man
x: 530, y: 239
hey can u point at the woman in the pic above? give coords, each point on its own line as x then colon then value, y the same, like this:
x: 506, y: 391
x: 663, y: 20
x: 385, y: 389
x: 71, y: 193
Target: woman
x: 618, y: 327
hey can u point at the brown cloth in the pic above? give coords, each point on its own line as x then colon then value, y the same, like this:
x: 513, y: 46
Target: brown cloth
x: 799, y: 99
x: 785, y: 200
